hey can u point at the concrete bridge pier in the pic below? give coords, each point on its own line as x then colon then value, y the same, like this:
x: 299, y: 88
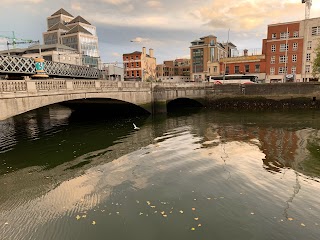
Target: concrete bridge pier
x: 159, y: 104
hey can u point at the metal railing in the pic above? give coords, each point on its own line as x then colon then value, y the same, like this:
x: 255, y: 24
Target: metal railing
x: 26, y: 66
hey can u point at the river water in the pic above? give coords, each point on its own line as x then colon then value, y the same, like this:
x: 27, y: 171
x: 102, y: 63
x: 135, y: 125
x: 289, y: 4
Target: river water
x: 201, y: 175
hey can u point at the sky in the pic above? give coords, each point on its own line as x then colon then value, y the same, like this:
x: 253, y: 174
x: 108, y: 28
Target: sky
x: 167, y: 26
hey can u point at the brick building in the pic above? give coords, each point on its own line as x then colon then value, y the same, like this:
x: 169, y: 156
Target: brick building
x: 254, y: 64
x: 283, y: 49
x: 140, y: 66
x: 178, y: 68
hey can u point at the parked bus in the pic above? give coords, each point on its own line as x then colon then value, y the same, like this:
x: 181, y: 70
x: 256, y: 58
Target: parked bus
x: 234, y: 78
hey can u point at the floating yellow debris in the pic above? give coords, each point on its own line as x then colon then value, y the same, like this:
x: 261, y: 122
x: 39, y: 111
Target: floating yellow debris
x: 162, y: 212
x: 148, y: 202
x: 93, y: 222
x: 84, y: 216
x: 6, y: 223
x: 199, y: 225
x: 192, y: 229
x: 290, y: 219
x: 153, y: 206
x: 209, y: 198
x: 140, y: 213
x: 165, y: 216
x: 193, y: 209
x: 252, y: 213
x: 302, y: 224
x: 196, y: 219
x: 181, y: 211
x: 78, y: 217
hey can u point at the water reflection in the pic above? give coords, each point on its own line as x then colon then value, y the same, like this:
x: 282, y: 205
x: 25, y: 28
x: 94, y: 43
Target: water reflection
x: 237, y: 171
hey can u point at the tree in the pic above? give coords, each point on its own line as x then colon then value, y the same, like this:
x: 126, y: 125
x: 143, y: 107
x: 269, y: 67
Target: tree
x: 316, y: 62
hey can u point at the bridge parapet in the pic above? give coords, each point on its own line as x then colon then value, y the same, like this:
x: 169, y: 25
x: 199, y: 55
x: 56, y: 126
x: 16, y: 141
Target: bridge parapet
x: 13, y: 86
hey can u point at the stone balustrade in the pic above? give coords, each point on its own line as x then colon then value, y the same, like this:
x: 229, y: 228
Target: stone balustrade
x: 13, y: 86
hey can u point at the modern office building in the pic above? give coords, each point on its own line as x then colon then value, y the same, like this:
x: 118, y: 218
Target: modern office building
x: 140, y: 66
x: 206, y: 53
x: 74, y: 32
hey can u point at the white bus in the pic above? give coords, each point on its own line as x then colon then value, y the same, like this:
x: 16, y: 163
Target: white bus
x: 233, y: 78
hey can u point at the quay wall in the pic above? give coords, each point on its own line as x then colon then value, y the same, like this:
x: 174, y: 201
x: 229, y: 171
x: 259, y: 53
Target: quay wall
x: 264, y: 96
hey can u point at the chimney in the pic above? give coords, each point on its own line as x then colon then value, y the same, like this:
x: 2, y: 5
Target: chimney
x: 151, y: 52
x: 245, y: 52
x: 144, y: 52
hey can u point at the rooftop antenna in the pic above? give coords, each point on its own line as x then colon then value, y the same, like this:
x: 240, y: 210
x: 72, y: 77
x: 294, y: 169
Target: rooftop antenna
x: 308, y: 7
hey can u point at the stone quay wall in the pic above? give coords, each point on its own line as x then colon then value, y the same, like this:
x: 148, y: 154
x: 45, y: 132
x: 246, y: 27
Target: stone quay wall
x: 264, y: 96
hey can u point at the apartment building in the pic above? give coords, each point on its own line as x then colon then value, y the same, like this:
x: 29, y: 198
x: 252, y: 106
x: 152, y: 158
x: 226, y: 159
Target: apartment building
x: 310, y: 31
x: 206, y: 53
x: 140, y: 66
x: 284, y: 49
x: 177, y: 70
x: 74, y: 32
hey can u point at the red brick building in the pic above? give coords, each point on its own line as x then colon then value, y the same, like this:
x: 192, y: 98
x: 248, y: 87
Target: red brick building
x: 254, y: 64
x: 140, y: 66
x: 283, y: 49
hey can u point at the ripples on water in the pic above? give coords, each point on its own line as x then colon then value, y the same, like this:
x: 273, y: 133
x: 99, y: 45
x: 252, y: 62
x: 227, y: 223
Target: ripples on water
x: 210, y: 175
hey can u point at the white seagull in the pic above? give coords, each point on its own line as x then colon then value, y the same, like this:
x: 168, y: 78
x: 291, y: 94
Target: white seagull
x: 135, y: 127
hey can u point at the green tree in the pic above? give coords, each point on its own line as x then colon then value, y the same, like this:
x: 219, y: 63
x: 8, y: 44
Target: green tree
x: 316, y: 62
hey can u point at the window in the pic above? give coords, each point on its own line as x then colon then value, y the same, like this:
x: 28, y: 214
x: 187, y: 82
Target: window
x: 273, y: 48
x: 307, y: 68
x: 272, y: 71
x: 236, y: 69
x: 308, y: 57
x: 294, y: 58
x: 227, y: 70
x: 274, y: 36
x: 247, y: 68
x: 309, y: 45
x: 131, y: 57
x: 284, y: 35
x: 132, y: 74
x: 273, y: 60
x: 137, y: 64
x: 293, y: 70
x: 284, y: 47
x: 138, y: 74
x: 315, y: 31
x: 137, y: 57
x: 295, y: 34
x: 257, y: 68
x: 283, y: 59
x: 215, y: 69
x: 295, y: 46
x: 127, y: 58
x: 282, y: 70
x: 132, y: 64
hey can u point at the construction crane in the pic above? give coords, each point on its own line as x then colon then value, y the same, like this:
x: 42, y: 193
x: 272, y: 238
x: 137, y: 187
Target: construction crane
x: 14, y: 41
x: 308, y: 7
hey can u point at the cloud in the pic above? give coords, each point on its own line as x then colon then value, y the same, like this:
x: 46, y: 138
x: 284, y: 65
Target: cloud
x: 116, y: 54
x: 248, y: 15
x: 140, y: 39
x: 154, y: 4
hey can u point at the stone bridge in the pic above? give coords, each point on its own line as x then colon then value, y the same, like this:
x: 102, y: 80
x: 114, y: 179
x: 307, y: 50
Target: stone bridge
x: 20, y: 96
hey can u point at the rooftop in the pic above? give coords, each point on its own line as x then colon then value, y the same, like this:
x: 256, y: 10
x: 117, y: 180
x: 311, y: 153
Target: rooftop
x: 61, y: 11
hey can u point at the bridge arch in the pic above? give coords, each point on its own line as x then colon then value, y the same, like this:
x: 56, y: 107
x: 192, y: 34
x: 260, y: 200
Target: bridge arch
x: 183, y: 102
x: 18, y: 105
